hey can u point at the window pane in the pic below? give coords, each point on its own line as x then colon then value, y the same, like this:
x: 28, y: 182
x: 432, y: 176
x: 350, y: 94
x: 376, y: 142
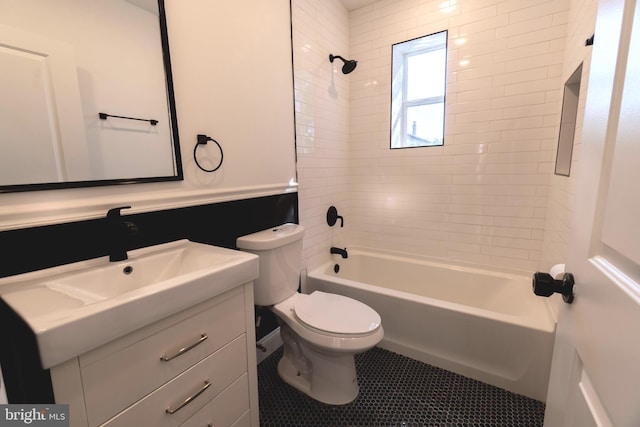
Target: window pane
x: 418, y: 90
x: 426, y: 74
x: 425, y: 125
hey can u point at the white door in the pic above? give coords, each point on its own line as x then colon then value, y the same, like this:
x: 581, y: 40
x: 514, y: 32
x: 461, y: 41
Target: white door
x: 42, y: 132
x: 595, y: 375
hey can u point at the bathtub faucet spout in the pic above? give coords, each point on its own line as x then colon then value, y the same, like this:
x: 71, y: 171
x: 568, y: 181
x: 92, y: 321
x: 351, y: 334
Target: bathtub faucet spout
x: 338, y: 251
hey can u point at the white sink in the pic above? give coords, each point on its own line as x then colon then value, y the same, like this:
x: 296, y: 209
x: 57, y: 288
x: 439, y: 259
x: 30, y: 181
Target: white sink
x: 77, y: 307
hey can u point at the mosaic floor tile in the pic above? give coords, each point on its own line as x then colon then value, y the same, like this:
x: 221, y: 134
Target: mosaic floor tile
x: 396, y: 391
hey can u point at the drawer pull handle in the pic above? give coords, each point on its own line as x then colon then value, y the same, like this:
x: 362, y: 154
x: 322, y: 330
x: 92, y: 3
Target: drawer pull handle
x: 189, y: 399
x: 183, y: 350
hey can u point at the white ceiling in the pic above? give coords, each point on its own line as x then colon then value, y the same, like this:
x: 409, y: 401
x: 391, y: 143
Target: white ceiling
x: 356, y: 4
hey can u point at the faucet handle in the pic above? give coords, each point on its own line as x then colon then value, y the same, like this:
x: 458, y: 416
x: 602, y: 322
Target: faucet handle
x: 332, y: 217
x: 115, y: 212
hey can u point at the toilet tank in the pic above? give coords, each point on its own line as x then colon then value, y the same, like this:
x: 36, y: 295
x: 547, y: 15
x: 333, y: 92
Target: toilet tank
x: 280, y: 252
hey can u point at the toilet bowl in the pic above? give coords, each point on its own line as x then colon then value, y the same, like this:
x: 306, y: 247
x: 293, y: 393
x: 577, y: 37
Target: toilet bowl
x: 321, y: 332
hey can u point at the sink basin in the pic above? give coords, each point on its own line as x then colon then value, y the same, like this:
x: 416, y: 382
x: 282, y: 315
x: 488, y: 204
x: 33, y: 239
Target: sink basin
x: 141, y: 271
x: 77, y: 307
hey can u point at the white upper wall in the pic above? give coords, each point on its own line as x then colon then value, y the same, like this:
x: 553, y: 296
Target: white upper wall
x: 233, y: 81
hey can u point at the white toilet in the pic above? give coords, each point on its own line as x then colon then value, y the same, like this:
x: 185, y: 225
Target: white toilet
x: 321, y: 332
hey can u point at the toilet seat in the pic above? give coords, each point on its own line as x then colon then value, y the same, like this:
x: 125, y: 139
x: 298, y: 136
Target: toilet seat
x: 336, y: 314
x: 322, y: 340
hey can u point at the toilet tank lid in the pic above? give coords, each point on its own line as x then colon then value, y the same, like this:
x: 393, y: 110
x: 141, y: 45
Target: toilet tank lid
x: 271, y: 238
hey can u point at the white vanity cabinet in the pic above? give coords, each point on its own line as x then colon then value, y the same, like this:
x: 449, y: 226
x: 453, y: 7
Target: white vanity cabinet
x: 194, y: 368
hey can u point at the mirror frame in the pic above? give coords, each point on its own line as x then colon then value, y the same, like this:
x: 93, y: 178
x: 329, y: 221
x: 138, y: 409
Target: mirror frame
x: 179, y: 176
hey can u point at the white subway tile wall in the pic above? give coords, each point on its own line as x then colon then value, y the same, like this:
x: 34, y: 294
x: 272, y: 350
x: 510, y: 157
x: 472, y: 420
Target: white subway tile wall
x: 581, y: 23
x: 488, y: 195
x: 322, y: 122
x: 482, y: 197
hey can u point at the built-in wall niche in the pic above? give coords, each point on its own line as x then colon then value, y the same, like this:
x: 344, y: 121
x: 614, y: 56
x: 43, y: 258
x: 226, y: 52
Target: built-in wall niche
x: 568, y: 122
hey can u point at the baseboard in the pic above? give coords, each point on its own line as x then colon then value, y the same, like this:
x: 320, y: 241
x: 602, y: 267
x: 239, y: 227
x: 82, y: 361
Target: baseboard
x: 268, y: 344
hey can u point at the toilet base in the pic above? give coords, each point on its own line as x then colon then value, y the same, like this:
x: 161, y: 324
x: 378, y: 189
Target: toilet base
x: 331, y: 379
x: 320, y: 365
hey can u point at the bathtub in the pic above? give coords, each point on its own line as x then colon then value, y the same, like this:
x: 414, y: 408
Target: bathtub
x: 486, y: 325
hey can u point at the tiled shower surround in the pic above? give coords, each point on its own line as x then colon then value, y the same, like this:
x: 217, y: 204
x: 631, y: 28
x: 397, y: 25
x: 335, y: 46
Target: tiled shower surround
x: 483, y: 196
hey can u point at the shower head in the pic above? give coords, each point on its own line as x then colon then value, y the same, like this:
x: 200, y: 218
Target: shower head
x: 349, y: 64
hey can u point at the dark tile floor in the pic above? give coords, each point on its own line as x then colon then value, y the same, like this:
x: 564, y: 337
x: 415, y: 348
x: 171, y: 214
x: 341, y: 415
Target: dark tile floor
x: 396, y: 391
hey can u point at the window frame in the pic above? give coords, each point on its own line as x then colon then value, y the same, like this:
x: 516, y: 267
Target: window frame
x: 406, y: 104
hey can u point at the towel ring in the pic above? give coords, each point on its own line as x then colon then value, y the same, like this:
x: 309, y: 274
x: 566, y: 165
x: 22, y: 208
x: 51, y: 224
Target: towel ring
x: 202, y: 140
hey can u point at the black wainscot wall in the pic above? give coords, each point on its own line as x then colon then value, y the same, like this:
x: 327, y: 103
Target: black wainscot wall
x: 31, y: 249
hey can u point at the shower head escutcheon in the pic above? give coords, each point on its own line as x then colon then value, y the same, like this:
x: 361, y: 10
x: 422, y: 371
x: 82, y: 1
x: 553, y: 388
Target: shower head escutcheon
x: 349, y: 64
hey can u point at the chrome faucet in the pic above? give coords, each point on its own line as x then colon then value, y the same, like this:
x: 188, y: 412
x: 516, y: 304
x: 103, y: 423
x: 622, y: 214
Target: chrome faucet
x: 119, y: 230
x: 338, y: 251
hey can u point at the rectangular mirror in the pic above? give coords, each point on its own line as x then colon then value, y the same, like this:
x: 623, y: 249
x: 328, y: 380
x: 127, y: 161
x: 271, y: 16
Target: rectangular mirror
x: 86, y: 94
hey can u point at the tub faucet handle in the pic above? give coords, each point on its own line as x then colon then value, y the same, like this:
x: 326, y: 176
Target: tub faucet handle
x: 332, y: 217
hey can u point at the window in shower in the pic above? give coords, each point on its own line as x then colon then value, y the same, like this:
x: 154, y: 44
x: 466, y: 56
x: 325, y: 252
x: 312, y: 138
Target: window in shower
x: 419, y: 69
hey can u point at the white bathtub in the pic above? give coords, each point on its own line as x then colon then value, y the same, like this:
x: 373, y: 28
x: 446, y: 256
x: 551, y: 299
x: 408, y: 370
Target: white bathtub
x: 487, y: 325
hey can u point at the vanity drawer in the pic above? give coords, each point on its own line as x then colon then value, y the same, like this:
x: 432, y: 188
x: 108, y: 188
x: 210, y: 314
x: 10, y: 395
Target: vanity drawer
x: 229, y: 408
x: 114, y: 378
x: 219, y: 370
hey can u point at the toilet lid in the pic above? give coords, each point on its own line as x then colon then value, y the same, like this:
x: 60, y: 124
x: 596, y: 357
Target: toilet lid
x: 336, y: 314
